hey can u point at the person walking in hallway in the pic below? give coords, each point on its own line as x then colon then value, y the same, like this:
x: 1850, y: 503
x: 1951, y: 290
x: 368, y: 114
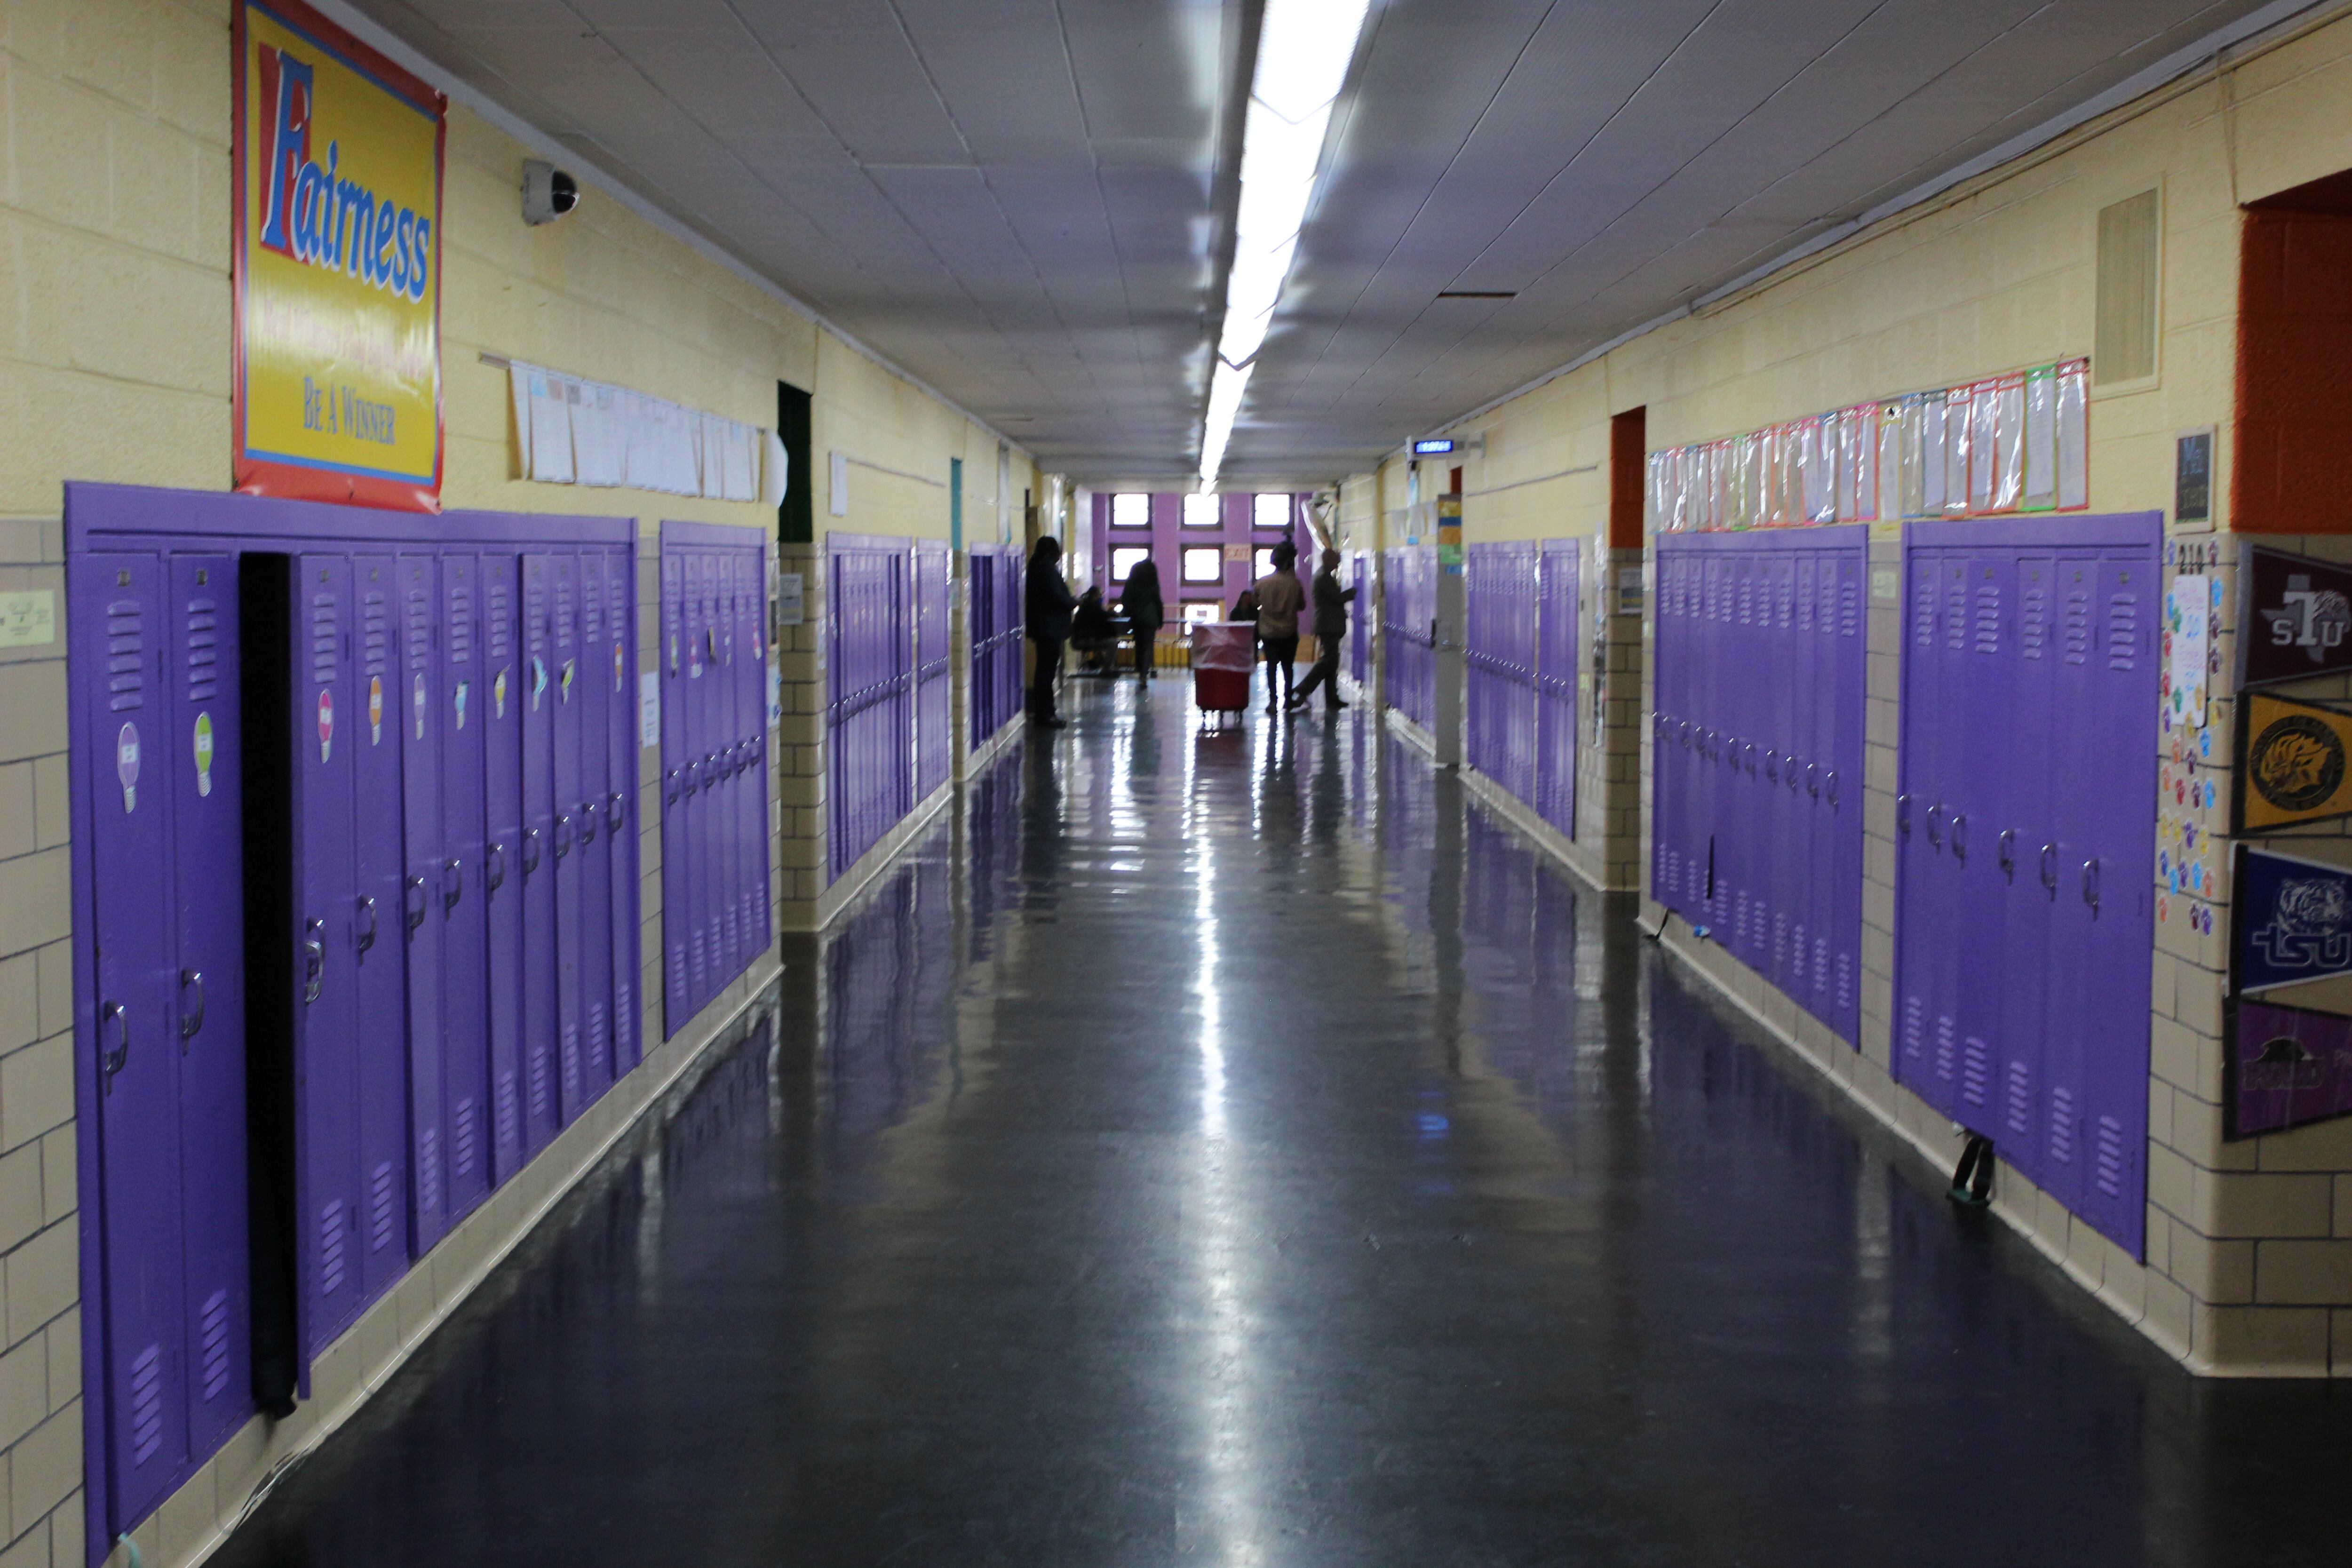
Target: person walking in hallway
x: 1145, y: 612
x: 1048, y: 607
x: 1331, y: 632
x: 1279, y: 600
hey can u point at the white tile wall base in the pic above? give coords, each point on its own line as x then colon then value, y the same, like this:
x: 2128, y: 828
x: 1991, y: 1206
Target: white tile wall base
x: 1410, y: 730
x: 2194, y: 1333
x: 192, y: 1521
x: 870, y: 865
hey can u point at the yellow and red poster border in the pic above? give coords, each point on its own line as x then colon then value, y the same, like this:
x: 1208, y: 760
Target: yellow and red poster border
x: 273, y: 474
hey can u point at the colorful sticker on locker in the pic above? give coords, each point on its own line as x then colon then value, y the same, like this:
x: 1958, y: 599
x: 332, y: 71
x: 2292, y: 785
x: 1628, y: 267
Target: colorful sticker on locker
x: 2294, y: 764
x: 538, y: 681
x: 465, y: 689
x: 618, y: 677
x: 498, y: 693
x: 326, y: 725
x: 571, y: 668
x: 204, y: 749
x: 375, y: 710
x: 693, y: 658
x: 416, y: 704
x: 126, y: 765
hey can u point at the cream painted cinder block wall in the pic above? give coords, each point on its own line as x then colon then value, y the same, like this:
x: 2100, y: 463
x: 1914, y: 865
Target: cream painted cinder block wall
x: 114, y: 365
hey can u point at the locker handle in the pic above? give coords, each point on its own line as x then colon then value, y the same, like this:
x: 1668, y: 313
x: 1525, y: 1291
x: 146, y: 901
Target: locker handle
x: 453, y: 885
x: 2007, y: 843
x: 112, y: 1061
x: 2091, y: 884
x: 1748, y: 750
x: 191, y: 1024
x: 1772, y: 765
x: 670, y: 794
x: 1788, y: 775
x: 562, y: 836
x: 1934, y: 836
x: 2050, y: 868
x: 1814, y: 780
x: 1959, y: 836
x: 1903, y: 816
x: 363, y: 940
x: 587, y: 823
x: 494, y: 870
x: 1833, y: 788
x: 413, y: 915
x: 613, y: 805
x: 314, y: 960
x: 529, y: 850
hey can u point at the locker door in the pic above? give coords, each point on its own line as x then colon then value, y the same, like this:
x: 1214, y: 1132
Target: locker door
x: 462, y: 901
x: 328, y: 724
x: 1947, y: 784
x: 542, y: 1106
x: 207, y: 877
x: 593, y: 691
x: 702, y: 958
x: 722, y: 835
x: 621, y: 805
x: 2028, y: 882
x: 416, y: 708
x: 751, y: 698
x: 1983, y: 719
x: 1818, y: 703
x: 677, y: 906
x: 499, y: 705
x: 2067, y: 1010
x: 2109, y: 892
x: 563, y: 661
x: 379, y: 980
x: 1842, y: 788
x: 1792, y: 673
x: 1922, y: 935
x: 121, y: 632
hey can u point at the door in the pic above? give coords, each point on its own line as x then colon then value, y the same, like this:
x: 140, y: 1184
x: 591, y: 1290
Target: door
x: 564, y: 659
x: 121, y: 632
x: 593, y: 691
x: 500, y: 705
x: 677, y: 905
x: 541, y: 1023
x: 462, y: 900
x: 425, y: 885
x: 620, y: 805
x: 378, y: 979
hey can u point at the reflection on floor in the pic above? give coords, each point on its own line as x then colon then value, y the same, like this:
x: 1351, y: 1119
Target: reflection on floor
x: 1232, y: 1148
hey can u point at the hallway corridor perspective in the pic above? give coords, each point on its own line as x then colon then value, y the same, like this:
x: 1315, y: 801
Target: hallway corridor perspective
x: 1235, y: 1147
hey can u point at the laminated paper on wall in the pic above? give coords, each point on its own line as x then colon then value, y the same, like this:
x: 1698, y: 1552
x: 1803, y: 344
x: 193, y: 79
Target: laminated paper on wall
x: 569, y: 430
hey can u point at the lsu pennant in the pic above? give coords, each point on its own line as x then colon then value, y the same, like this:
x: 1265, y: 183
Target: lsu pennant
x: 338, y: 257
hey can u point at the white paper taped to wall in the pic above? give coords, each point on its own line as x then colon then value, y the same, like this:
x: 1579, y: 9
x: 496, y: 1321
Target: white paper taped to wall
x: 570, y: 430
x: 649, y: 709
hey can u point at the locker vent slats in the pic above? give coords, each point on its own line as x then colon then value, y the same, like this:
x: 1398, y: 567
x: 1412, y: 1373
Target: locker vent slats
x: 326, y: 638
x: 509, y: 1111
x: 331, y: 1249
x: 2061, y: 1125
x: 2078, y: 622
x: 1975, y: 1071
x: 146, y: 1404
x: 428, y: 1170
x: 465, y: 1143
x: 2123, y: 631
x: 126, y: 655
x: 2018, y: 1103
x: 497, y: 619
x: 212, y: 1344
x: 375, y: 634
x: 1987, y: 638
x: 460, y: 650
x: 384, y: 1206
x: 2109, y: 1162
x: 201, y: 650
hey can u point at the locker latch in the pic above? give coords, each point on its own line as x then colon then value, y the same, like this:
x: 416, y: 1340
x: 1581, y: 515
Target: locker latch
x: 190, y: 1024
x: 363, y: 939
x: 412, y: 903
x: 494, y: 870
x: 529, y: 850
x: 114, y: 1059
x: 2008, y: 846
x: 453, y: 885
x: 613, y: 803
x: 314, y: 959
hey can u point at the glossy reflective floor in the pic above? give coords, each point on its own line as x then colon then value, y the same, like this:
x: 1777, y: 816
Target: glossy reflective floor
x: 1232, y: 1148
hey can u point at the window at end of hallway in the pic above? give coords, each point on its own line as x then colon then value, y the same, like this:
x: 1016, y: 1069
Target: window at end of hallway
x: 2130, y: 232
x: 1262, y: 562
x: 1125, y: 559
x: 1271, y: 511
x: 1202, y: 512
x: 1204, y: 563
x: 1130, y: 512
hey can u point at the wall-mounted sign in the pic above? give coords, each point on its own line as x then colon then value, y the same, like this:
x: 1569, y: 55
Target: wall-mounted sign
x: 2293, y: 760
x: 2193, y: 478
x: 2298, y: 618
x: 337, y: 157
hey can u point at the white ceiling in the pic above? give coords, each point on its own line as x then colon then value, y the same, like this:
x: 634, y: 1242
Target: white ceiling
x: 1020, y: 200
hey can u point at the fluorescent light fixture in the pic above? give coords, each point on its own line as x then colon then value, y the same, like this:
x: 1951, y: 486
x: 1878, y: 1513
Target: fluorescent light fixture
x: 1303, y: 51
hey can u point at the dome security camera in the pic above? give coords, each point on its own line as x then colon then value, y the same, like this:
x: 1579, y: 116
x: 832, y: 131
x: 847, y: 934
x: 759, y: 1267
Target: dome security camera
x: 548, y: 192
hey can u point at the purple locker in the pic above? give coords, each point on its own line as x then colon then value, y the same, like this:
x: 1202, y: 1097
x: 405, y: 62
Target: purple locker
x: 1926, y: 928
x: 564, y: 663
x: 677, y: 925
x: 378, y: 979
x: 599, y: 655
x: 1558, y: 573
x: 499, y: 704
x: 417, y: 705
x: 1842, y: 788
x: 620, y: 805
x: 461, y: 901
x: 207, y: 868
x: 328, y: 723
x: 730, y: 735
x: 750, y: 773
x: 543, y: 1104
x: 122, y: 632
x: 2035, y: 1125
x: 933, y: 727
x: 705, y: 954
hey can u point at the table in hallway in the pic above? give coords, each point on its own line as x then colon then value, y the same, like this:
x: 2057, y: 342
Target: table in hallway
x: 1232, y: 1147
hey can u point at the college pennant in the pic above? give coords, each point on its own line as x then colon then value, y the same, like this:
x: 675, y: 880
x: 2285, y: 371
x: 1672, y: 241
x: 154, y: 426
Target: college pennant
x: 2289, y: 1036
x: 2298, y: 620
x: 2291, y: 762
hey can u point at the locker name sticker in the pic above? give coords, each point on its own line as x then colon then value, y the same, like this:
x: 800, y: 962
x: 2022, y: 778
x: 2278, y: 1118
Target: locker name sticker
x: 126, y: 765
x: 203, y: 751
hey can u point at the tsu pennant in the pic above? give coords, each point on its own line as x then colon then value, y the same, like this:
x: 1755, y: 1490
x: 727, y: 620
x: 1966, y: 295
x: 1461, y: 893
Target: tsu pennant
x: 337, y: 249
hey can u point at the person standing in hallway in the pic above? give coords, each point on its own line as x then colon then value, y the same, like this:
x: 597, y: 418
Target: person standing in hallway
x: 1145, y: 612
x: 1330, y: 632
x: 1049, y: 603
x: 1279, y: 600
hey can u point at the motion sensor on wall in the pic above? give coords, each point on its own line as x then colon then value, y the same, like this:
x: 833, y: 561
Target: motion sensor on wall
x: 548, y: 192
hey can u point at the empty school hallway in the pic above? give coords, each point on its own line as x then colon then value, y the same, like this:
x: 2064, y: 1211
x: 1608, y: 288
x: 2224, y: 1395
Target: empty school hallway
x: 1235, y: 1146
